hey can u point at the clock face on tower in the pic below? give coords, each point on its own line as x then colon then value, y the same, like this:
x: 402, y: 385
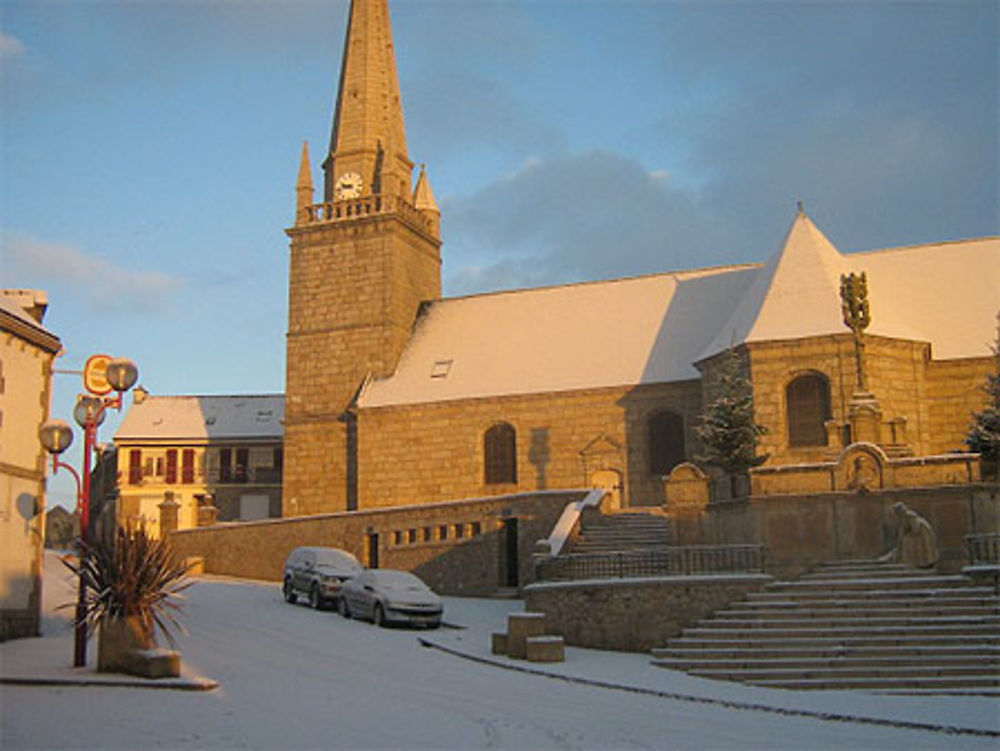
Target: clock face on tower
x: 348, y: 186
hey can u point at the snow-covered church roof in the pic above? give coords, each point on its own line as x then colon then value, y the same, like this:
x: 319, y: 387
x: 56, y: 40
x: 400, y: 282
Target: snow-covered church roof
x: 201, y: 418
x: 653, y: 329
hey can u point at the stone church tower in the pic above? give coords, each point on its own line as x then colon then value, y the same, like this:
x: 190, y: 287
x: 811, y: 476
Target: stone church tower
x: 362, y: 262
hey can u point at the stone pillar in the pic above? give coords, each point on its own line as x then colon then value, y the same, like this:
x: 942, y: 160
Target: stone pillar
x: 208, y: 513
x: 169, y: 514
x: 866, y: 418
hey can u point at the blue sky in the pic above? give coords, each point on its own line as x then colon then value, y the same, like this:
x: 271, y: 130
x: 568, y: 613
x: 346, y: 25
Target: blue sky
x: 150, y: 150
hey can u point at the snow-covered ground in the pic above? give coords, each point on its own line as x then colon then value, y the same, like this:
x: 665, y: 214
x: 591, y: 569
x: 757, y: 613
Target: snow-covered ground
x: 294, y: 678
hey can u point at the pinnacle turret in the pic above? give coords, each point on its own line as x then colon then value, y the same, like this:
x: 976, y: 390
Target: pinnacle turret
x: 304, y: 192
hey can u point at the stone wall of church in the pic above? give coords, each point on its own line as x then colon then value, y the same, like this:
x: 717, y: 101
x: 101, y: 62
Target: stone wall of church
x: 935, y: 398
x: 435, y: 451
x: 955, y: 392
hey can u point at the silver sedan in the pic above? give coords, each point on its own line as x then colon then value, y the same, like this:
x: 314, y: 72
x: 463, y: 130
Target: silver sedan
x: 385, y: 596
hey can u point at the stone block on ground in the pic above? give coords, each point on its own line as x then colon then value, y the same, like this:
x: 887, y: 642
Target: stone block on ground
x: 153, y: 663
x: 519, y: 627
x: 545, y: 649
x: 499, y: 644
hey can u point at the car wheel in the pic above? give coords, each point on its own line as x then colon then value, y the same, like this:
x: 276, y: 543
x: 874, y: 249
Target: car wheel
x: 315, y: 601
x: 378, y: 616
x: 343, y: 608
x: 434, y: 624
x: 289, y: 592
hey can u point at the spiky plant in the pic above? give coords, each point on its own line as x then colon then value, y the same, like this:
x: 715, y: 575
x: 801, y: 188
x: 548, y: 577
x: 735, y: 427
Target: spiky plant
x: 129, y: 574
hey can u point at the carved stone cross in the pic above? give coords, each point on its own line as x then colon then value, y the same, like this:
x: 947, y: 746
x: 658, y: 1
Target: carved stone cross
x: 857, y: 317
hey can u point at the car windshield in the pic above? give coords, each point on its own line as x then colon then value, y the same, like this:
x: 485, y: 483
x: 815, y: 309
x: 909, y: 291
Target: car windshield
x: 397, y: 580
x: 336, y: 559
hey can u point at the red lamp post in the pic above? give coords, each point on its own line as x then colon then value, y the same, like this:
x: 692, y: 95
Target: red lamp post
x: 56, y: 436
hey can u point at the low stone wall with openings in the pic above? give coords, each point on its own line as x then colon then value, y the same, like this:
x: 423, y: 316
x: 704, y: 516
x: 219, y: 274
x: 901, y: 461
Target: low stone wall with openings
x: 456, y: 547
x: 634, y: 615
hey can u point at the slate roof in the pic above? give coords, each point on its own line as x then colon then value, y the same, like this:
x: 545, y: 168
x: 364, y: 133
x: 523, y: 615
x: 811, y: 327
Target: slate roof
x: 197, y: 418
x: 654, y: 329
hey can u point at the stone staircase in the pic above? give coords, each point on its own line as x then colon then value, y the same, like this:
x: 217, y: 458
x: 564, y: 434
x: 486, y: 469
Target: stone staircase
x: 622, y: 531
x: 852, y: 625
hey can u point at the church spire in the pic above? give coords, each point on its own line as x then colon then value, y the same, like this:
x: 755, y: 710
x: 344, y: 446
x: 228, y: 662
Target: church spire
x: 368, y: 142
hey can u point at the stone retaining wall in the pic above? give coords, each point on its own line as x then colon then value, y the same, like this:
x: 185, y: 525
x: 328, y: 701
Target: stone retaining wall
x: 634, y: 615
x: 456, y: 547
x: 801, y: 531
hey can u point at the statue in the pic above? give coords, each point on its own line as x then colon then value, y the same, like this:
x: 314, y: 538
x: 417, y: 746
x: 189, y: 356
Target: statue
x: 916, y: 543
x: 857, y: 317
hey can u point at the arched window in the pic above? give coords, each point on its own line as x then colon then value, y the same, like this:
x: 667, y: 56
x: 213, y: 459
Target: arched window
x: 500, y: 454
x: 666, y: 442
x: 808, y: 401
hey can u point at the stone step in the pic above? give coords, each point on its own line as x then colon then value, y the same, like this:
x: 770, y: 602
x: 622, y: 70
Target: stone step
x: 902, y: 673
x: 858, y: 563
x: 909, y: 653
x: 850, y: 625
x: 976, y: 664
x: 622, y: 532
x: 856, y: 622
x: 626, y: 542
x: 883, y: 610
x: 872, y: 573
x: 908, y: 599
x: 915, y: 599
x: 929, y: 583
x: 783, y: 631
x: 930, y: 685
x: 726, y: 640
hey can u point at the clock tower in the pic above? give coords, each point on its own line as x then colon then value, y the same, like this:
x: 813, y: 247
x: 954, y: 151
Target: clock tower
x: 362, y: 262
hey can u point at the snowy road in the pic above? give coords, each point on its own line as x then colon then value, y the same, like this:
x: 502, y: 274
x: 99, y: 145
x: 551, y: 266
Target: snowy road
x: 295, y: 678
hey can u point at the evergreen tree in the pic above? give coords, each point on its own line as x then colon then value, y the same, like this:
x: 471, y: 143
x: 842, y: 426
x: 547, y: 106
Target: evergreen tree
x: 728, y: 430
x: 984, y: 435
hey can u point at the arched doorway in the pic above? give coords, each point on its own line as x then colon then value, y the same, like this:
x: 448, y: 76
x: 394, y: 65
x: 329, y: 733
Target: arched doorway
x: 611, y: 481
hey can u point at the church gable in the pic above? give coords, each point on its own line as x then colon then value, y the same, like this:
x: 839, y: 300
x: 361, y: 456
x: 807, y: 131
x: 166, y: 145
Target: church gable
x: 945, y: 294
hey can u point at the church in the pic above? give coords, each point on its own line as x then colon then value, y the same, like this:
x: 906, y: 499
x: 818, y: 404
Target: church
x: 396, y: 396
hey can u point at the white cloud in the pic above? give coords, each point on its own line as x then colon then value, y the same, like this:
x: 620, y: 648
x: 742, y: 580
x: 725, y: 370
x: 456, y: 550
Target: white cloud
x: 101, y: 283
x: 10, y: 46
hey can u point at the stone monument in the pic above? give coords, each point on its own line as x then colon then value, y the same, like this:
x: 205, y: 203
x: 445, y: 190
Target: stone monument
x: 864, y: 412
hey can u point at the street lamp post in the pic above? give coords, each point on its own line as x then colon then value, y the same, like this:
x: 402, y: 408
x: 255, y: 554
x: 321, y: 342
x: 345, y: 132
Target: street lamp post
x: 56, y: 436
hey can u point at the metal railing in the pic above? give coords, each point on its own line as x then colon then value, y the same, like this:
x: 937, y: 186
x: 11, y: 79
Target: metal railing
x: 984, y: 548
x: 677, y: 561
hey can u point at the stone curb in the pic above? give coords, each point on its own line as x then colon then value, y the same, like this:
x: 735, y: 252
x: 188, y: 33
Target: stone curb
x: 91, y: 679
x: 728, y: 703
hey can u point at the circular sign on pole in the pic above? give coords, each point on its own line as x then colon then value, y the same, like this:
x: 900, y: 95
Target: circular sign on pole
x: 95, y: 375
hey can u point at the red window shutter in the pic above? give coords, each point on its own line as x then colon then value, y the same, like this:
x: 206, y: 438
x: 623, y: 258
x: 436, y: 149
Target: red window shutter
x: 187, y: 466
x: 135, y: 467
x: 171, y: 466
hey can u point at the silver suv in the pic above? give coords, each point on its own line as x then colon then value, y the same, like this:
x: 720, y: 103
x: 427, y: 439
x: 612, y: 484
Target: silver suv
x: 318, y: 573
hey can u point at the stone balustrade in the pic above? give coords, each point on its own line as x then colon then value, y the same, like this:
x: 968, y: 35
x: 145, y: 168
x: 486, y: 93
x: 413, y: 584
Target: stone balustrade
x: 366, y: 206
